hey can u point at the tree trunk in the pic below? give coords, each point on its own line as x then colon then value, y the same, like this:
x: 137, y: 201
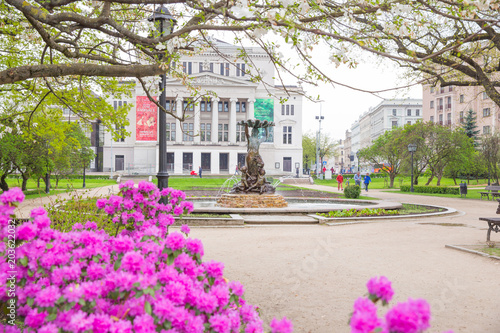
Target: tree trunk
x: 455, y: 180
x: 391, y: 177
x: 439, y: 179
x: 3, y: 183
x: 430, y: 179
x: 415, y: 180
x: 25, y: 183
x: 57, y: 181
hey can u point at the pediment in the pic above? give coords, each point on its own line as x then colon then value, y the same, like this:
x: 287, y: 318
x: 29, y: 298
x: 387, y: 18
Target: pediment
x: 212, y: 79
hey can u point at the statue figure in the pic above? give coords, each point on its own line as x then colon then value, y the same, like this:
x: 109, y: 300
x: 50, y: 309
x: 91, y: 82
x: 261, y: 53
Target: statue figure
x: 253, y: 177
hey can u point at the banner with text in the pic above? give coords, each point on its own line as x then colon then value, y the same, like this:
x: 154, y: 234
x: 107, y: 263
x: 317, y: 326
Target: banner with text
x: 146, y: 119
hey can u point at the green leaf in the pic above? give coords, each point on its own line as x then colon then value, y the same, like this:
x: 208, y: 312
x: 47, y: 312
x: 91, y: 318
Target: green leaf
x: 30, y: 273
x: 60, y: 300
x: 170, y: 259
x: 29, y: 301
x: 81, y: 301
x: 95, y: 259
x: 52, y: 317
x: 49, y: 246
x: 24, y: 261
x: 147, y: 308
x: 117, y: 264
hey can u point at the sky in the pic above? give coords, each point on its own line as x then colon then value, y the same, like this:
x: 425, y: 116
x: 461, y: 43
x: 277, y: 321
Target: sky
x: 342, y: 106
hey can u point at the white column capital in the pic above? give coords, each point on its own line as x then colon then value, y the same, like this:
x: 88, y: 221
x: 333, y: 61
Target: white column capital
x: 233, y: 100
x: 179, y: 99
x: 251, y: 100
x: 215, y: 99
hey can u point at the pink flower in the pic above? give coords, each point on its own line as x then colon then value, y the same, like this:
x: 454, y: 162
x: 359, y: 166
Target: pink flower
x: 144, y: 324
x: 380, y: 288
x: 175, y: 241
x: 42, y: 221
x: 236, y: 288
x: 47, y: 297
x: 185, y: 229
x: 12, y: 195
x: 281, y: 326
x: 26, y: 231
x: 49, y: 328
x: 195, y: 246
x: 214, y: 269
x: 101, y: 323
x: 35, y: 319
x: 220, y: 323
x: 101, y: 203
x: 178, y: 210
x: 412, y: 316
x: 364, y: 318
x: 132, y: 261
x: 38, y: 211
x: 91, y: 225
x: 164, y: 220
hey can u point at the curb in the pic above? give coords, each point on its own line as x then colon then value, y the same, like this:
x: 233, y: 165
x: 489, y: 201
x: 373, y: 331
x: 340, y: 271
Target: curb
x: 463, y: 249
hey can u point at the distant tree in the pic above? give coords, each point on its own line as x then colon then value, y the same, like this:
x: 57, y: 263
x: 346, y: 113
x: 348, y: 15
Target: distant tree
x: 327, y: 147
x: 490, y: 149
x: 308, y: 149
x: 389, y: 148
x: 470, y: 126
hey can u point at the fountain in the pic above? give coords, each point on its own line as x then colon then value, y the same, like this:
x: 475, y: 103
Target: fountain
x: 253, y: 190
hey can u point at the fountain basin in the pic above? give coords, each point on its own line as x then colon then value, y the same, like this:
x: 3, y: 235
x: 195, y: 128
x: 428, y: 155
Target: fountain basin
x: 295, y: 205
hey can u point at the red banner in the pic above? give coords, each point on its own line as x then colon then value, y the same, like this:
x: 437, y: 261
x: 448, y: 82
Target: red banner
x: 146, y: 119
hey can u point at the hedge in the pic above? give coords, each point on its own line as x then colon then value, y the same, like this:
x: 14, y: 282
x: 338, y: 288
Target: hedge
x: 431, y: 189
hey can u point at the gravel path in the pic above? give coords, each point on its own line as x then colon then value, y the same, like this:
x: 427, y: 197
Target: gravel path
x: 313, y: 274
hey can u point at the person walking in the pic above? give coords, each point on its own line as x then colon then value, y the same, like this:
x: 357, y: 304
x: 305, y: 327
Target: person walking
x: 367, y: 181
x: 340, y: 181
x: 357, y: 179
x: 199, y: 171
x: 237, y: 171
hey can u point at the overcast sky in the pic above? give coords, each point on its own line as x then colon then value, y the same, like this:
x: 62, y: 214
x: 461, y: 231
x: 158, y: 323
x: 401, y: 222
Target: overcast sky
x: 342, y: 106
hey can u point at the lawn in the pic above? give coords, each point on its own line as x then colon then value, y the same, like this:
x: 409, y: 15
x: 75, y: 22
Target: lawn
x: 65, y: 185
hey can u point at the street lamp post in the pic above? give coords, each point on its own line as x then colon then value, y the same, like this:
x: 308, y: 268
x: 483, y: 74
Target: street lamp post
x: 164, y: 23
x: 412, y: 148
x: 318, y: 138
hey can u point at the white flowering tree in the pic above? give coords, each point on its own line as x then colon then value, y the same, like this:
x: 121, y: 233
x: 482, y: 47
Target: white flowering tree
x: 73, y: 52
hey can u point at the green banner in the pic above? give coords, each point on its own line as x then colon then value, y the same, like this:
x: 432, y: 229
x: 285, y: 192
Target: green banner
x: 264, y: 110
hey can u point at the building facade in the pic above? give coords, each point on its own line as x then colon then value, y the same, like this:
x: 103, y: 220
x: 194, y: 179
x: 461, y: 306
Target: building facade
x: 210, y: 136
x: 449, y: 106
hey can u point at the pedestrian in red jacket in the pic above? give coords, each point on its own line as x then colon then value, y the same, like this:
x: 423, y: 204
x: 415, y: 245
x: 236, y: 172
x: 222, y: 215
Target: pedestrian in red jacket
x: 340, y: 181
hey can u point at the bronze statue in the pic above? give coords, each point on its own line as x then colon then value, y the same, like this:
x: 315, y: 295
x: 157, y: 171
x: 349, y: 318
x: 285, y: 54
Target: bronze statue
x: 253, y: 175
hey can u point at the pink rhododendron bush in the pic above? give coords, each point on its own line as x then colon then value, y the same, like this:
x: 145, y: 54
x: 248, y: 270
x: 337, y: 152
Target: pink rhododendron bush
x: 141, y: 279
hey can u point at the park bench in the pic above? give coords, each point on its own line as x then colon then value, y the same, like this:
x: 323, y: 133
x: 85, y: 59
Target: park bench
x: 491, y: 190
x: 493, y: 223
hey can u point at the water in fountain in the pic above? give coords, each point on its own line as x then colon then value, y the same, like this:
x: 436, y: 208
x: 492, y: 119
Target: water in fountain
x: 227, y: 186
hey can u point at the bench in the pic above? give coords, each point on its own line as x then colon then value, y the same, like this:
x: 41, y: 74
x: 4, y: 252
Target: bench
x: 493, y: 190
x: 493, y: 225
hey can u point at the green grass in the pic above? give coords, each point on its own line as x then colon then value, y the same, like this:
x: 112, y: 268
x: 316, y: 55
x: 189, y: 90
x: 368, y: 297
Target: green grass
x: 491, y: 251
x: 471, y: 194
x: 196, y: 183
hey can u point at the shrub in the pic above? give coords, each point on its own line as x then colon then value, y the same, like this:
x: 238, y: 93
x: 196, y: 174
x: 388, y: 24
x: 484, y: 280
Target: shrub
x: 352, y: 191
x: 143, y: 280
x: 363, y: 212
x: 431, y: 189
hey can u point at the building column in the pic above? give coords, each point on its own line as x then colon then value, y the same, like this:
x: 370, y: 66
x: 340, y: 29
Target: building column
x: 178, y: 125
x: 196, y: 131
x: 232, y: 121
x: 251, y: 111
x: 215, y: 120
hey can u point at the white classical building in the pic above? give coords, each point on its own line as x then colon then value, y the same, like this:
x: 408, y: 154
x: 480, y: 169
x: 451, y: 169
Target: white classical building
x: 209, y: 137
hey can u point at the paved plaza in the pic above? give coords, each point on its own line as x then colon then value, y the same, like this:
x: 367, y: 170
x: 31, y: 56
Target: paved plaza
x: 312, y: 274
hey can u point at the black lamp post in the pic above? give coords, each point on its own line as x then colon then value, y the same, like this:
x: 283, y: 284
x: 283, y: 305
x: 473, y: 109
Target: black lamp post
x: 164, y: 23
x: 412, y: 148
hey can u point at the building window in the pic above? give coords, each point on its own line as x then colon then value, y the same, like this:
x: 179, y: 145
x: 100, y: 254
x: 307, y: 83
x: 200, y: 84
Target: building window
x: 240, y: 133
x: 461, y: 116
x: 448, y: 105
x: 462, y: 98
x: 292, y: 111
x: 432, y: 119
x: 441, y: 90
x: 287, y: 135
x: 206, y: 67
x: 241, y: 107
x: 394, y: 123
x: 408, y: 122
x: 417, y: 112
x: 223, y: 132
x: 205, y: 106
x: 394, y: 112
x: 408, y: 112
x: 486, y: 130
x: 224, y: 69
x: 450, y: 88
x: 432, y: 104
x: 485, y: 95
x: 188, y: 131
x: 224, y: 106
x: 282, y: 109
x: 187, y: 105
x: 240, y: 69
x: 486, y: 112
x: 448, y: 119
x: 205, y: 132
x: 121, y: 129
x: 187, y: 67
x: 170, y: 131
x: 170, y: 105
x: 432, y: 89
x: 440, y: 119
